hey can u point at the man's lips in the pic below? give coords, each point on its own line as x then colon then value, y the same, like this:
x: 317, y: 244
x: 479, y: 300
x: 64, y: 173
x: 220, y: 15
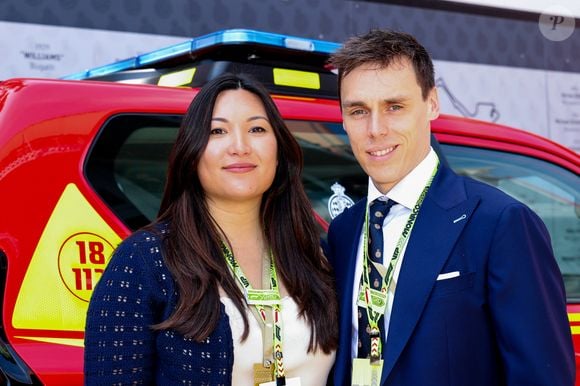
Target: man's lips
x: 242, y: 167
x: 381, y: 152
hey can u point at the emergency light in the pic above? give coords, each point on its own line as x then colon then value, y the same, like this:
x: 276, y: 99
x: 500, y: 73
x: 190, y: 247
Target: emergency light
x: 281, y: 62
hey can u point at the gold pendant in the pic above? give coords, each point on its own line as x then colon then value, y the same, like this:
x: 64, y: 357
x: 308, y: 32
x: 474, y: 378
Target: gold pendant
x: 262, y: 374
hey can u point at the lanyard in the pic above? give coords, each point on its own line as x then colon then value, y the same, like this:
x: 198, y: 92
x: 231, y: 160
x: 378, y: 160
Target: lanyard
x: 259, y: 299
x: 375, y: 301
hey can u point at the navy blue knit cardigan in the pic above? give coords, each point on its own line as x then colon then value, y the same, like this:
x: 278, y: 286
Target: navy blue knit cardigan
x: 135, y: 292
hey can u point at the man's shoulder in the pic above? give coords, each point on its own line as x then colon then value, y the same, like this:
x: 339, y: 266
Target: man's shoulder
x: 350, y: 213
x: 493, y: 200
x: 487, y: 192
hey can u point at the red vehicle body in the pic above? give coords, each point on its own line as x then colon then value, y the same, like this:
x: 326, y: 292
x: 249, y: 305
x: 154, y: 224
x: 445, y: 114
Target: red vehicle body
x: 55, y: 229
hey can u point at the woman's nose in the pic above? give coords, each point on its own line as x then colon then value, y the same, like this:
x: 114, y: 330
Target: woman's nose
x: 240, y: 143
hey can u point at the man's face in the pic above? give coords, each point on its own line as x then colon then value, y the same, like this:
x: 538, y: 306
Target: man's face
x: 387, y: 120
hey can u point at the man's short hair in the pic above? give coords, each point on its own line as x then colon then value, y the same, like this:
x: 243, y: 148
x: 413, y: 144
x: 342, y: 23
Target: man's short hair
x: 384, y: 47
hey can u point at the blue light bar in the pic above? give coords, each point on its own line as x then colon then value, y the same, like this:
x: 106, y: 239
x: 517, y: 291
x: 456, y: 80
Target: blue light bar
x: 265, y: 38
x: 104, y: 70
x: 164, y: 53
x: 231, y: 36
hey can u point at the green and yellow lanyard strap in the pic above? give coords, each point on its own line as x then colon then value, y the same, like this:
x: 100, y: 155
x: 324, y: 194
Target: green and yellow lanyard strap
x: 373, y: 300
x: 258, y: 300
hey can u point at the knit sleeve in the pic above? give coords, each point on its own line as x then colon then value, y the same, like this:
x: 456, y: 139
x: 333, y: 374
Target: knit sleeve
x: 119, y: 343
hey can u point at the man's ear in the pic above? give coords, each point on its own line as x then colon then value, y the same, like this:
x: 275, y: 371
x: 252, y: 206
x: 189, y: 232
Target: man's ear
x: 433, y: 104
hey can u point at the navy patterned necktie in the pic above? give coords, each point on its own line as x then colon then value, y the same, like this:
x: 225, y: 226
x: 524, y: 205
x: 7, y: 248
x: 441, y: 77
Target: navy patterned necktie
x: 377, y: 212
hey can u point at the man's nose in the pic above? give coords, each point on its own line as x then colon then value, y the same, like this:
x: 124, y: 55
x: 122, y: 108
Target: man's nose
x: 378, y: 125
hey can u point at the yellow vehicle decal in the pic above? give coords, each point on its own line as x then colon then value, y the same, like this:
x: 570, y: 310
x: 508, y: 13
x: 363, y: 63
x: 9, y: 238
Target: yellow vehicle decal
x: 574, y: 317
x: 63, y: 341
x: 295, y: 78
x: 70, y: 256
x: 178, y: 78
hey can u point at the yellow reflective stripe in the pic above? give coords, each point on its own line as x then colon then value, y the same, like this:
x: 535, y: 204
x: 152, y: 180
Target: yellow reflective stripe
x: 295, y: 78
x: 178, y: 78
x: 63, y: 341
x: 574, y: 317
x: 294, y: 98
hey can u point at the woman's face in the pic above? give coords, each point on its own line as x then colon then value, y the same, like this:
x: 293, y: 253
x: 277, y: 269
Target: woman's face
x: 239, y: 162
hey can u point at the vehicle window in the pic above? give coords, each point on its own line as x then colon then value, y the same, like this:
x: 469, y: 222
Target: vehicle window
x: 128, y: 163
x: 552, y: 192
x: 328, y: 163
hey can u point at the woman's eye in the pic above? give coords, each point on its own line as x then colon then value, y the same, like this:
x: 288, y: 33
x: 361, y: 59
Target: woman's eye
x: 217, y: 130
x: 257, y: 129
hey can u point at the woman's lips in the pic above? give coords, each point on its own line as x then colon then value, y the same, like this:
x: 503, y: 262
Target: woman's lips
x: 240, y: 167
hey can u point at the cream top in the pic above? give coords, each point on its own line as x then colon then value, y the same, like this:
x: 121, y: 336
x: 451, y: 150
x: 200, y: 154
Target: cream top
x: 311, y: 368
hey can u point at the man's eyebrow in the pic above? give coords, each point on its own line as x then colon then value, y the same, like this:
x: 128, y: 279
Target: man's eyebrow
x: 346, y: 104
x: 388, y: 101
x: 396, y: 99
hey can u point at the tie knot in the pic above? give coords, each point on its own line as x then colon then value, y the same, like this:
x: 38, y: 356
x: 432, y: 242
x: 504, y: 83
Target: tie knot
x: 379, y: 210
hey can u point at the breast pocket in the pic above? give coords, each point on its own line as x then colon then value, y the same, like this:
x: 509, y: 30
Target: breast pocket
x: 453, y: 285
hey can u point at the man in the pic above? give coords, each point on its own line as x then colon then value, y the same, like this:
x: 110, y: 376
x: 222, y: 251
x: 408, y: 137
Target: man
x: 463, y: 289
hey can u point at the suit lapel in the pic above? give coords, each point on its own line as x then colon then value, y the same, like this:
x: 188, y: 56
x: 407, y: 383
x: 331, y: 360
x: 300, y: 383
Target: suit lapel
x: 443, y: 215
x: 347, y: 235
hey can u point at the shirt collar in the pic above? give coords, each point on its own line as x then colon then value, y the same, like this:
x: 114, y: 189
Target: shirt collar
x: 407, y: 191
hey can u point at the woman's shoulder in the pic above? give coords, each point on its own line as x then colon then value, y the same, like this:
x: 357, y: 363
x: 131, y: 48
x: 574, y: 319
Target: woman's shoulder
x: 148, y: 239
x: 142, y: 251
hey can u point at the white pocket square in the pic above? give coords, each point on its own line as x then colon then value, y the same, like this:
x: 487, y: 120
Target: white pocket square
x: 448, y: 275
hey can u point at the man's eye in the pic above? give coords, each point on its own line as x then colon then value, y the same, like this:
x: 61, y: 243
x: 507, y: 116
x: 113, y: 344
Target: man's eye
x: 358, y: 112
x: 395, y: 107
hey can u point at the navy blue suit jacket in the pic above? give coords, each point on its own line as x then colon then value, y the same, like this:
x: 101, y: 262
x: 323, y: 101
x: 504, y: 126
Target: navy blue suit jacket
x: 503, y: 321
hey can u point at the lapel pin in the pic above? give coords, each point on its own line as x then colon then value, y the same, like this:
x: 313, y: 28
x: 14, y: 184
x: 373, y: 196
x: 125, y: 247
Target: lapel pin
x: 463, y: 217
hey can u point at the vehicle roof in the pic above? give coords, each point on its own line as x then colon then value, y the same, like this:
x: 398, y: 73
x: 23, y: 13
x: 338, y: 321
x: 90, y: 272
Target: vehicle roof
x: 51, y: 98
x: 488, y: 134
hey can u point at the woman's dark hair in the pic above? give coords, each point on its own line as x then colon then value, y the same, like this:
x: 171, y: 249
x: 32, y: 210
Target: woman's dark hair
x: 193, y: 242
x: 384, y: 47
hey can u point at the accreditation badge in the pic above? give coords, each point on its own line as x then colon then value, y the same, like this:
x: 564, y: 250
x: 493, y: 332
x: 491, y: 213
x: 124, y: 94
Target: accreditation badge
x: 376, y: 300
x: 262, y: 297
x: 365, y: 374
x: 289, y: 382
x: 262, y: 374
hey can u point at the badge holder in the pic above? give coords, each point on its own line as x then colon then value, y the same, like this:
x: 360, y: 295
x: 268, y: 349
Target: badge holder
x: 366, y: 374
x: 264, y: 372
x: 365, y: 371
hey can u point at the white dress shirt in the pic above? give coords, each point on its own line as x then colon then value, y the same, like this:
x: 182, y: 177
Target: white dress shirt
x: 405, y: 194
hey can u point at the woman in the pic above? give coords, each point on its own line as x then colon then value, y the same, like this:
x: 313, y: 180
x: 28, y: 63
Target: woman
x: 229, y: 285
